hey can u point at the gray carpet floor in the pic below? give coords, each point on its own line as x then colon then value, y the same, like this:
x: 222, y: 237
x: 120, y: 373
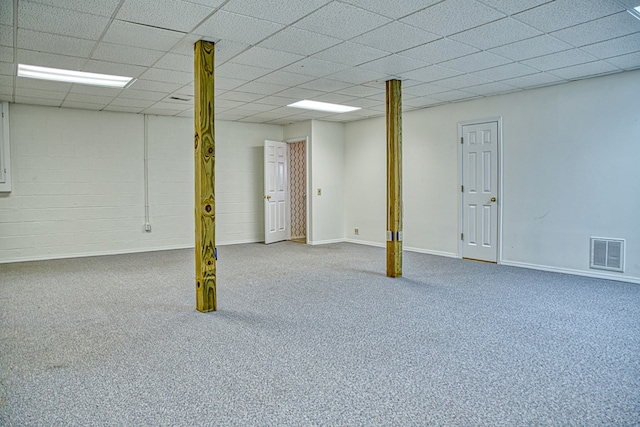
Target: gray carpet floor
x: 314, y: 335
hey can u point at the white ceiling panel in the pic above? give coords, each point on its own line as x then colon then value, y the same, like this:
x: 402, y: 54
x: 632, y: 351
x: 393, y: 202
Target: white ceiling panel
x: 395, y: 37
x: 510, y: 7
x: 126, y: 54
x: 275, y: 10
x: 397, y: 9
x: 93, y: 99
x: 277, y: 101
x: 238, y: 28
x: 227, y: 83
x: 497, y: 33
x: 42, y: 84
x: 475, y: 62
x: 315, y: 67
x: 170, y: 76
x: 431, y: 73
x: 7, y: 68
x: 462, y: 81
x: 507, y: 71
x: 82, y: 105
x: 284, y: 78
x: 341, y: 19
x: 585, y: 70
x: 424, y: 89
x: 350, y: 54
x: 65, y: 22
x: 262, y: 88
x: 439, y: 51
x: 394, y: 65
x: 173, y: 61
x: 531, y: 48
x: 490, y: 88
x: 54, y: 43
x: 533, y: 80
x: 37, y: 101
x: 566, y: 13
x: 420, y: 102
x: 35, y: 93
x: 337, y: 98
x: 132, y: 102
x: 104, y: 67
x: 6, y: 12
x: 143, y: 95
x: 453, y: 95
x: 559, y: 60
x: 96, y: 90
x: 599, y: 30
x: 95, y: 7
x: 356, y: 76
x: 299, y: 93
x: 266, y: 58
x: 122, y: 109
x: 241, y: 96
x: 247, y: 72
x: 452, y: 16
x: 615, y: 47
x: 302, y: 42
x: 6, y: 35
x: 325, y: 85
x: 129, y: 34
x: 176, y: 15
x: 626, y: 62
x: 43, y: 59
x: 360, y: 91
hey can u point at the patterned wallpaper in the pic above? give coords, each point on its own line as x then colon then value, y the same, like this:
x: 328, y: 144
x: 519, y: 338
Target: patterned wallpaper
x: 298, y: 177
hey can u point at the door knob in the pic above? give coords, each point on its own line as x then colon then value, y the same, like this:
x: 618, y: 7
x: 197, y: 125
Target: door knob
x: 493, y: 199
x: 268, y: 197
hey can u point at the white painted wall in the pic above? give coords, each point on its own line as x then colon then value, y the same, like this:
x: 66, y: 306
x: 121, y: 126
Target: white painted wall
x: 570, y: 172
x: 78, y: 183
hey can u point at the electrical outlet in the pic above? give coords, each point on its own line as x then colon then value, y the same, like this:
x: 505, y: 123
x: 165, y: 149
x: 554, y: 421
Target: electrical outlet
x: 147, y: 228
x: 319, y: 191
x: 356, y: 231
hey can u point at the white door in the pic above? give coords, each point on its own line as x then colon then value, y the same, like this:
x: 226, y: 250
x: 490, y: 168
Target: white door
x: 275, y: 191
x: 480, y: 191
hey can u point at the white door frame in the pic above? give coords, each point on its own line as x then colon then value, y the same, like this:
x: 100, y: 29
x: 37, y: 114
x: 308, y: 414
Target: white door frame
x: 307, y: 152
x: 497, y: 119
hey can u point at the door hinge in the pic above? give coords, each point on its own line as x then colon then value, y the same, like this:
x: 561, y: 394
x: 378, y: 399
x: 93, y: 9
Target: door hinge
x: 461, y: 140
x: 462, y: 188
x: 461, y: 236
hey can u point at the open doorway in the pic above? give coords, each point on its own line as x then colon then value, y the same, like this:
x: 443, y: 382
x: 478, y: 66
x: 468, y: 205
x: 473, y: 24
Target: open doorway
x: 298, y: 189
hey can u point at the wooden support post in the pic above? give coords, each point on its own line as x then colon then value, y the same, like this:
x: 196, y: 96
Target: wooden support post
x: 394, y: 178
x: 205, y: 202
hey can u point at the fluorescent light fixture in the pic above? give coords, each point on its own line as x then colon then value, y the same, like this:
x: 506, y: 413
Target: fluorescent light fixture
x: 69, y: 76
x: 635, y: 12
x: 322, y: 106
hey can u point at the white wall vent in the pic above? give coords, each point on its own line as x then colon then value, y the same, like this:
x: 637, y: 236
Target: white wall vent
x: 607, y: 254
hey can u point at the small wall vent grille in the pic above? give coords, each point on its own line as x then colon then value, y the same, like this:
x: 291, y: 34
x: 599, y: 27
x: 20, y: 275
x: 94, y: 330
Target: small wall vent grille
x: 607, y: 254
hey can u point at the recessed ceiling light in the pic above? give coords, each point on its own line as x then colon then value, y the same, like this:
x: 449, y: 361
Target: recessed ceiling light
x: 322, y: 106
x: 69, y: 76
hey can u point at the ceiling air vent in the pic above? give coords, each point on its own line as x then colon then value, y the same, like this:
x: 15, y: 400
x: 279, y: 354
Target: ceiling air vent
x: 607, y: 254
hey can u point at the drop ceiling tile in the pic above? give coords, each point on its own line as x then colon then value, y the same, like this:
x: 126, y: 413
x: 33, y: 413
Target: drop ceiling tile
x: 430, y: 73
x: 341, y: 19
x: 6, y: 35
x: 439, y: 51
x: 227, y: 104
x: 475, y: 62
x: 254, y: 107
x: 227, y: 83
x: 260, y: 87
x: 37, y: 101
x: 615, y: 47
x: 6, y: 93
x: 238, y: 28
x: 132, y: 103
x: 395, y: 37
x: 420, y: 102
x: 286, y: 12
x: 394, y: 10
x: 176, y: 15
x: 173, y: 61
x: 142, y: 95
x: 35, y: 93
x: 285, y: 78
x: 42, y: 84
x: 315, y: 67
x: 453, y: 95
x: 6, y: 54
x: 92, y: 99
x: 53, y: 43
x: 497, y: 33
x: 7, y: 68
x: 559, y: 60
x: 96, y: 90
x: 6, y: 13
x: 277, y: 101
x: 95, y: 7
x: 490, y: 89
x: 240, y: 71
x: 585, y: 70
x: 367, y: 103
x: 507, y: 71
x: 337, y: 98
x: 266, y: 58
x: 531, y: 48
x: 357, y: 76
x: 302, y: 42
x: 241, y: 96
x: 534, y: 80
x: 424, y: 89
x: 462, y: 81
x: 360, y: 91
x: 82, y: 105
x: 161, y: 111
x: 566, y: 13
x: 350, y: 54
x: 626, y: 62
x: 174, y: 106
x: 299, y: 93
x: 127, y: 33
x: 393, y: 65
x: 150, y: 85
x: 602, y: 29
x: 54, y: 20
x: 452, y: 16
x: 104, y: 67
x: 510, y: 7
x: 186, y: 46
x: 126, y: 54
x: 120, y: 109
x: 325, y: 85
x: 170, y: 76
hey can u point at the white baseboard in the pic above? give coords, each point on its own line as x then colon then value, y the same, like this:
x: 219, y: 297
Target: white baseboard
x: 324, y: 242
x: 430, y: 252
x: 238, y: 242
x: 365, y: 243
x: 596, y: 275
